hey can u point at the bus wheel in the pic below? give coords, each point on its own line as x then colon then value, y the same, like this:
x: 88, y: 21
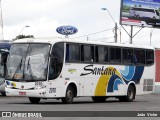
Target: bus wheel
x: 34, y: 100
x: 99, y: 99
x: 130, y: 95
x: 3, y: 94
x: 68, y: 99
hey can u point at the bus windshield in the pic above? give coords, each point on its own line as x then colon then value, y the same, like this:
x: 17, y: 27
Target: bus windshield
x: 28, y: 62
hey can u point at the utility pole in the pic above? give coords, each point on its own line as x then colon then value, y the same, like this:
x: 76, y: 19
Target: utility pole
x: 1, y: 23
x: 131, y: 35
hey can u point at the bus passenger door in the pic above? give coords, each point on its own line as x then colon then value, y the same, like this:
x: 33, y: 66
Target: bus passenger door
x: 90, y: 85
x: 81, y: 87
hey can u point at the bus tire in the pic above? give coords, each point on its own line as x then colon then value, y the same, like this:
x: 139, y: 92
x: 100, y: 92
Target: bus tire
x: 3, y: 94
x: 99, y: 99
x: 68, y: 99
x: 130, y: 95
x: 34, y: 100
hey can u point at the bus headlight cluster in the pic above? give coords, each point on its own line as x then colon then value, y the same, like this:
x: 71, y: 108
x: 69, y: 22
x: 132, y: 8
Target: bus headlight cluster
x: 10, y: 85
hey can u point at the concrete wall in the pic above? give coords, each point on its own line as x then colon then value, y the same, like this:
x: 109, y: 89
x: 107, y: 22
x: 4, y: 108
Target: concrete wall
x: 157, y: 79
x: 157, y: 53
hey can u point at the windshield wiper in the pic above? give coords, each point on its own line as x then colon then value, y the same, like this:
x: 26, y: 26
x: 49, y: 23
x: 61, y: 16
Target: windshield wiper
x: 30, y: 70
x: 28, y: 64
x: 18, y: 67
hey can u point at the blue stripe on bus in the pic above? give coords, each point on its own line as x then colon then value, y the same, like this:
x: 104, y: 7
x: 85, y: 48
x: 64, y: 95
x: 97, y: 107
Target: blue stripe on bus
x: 134, y: 74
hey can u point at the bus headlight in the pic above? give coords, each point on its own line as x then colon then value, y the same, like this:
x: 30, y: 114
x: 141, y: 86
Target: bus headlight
x: 9, y: 84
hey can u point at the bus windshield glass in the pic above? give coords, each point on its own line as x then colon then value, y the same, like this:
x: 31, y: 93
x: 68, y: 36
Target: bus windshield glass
x: 28, y: 62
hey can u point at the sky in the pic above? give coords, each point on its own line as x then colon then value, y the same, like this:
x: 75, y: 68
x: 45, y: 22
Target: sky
x: 44, y: 16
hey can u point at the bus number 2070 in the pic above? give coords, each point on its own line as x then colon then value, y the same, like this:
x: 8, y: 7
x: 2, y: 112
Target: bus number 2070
x: 52, y: 90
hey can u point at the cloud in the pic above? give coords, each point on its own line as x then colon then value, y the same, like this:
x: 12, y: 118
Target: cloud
x: 18, y: 11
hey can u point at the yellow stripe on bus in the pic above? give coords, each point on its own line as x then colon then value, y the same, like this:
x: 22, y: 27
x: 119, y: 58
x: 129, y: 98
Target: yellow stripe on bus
x: 102, y: 85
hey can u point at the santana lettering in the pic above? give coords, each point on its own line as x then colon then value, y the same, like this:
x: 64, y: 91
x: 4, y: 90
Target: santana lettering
x: 98, y: 71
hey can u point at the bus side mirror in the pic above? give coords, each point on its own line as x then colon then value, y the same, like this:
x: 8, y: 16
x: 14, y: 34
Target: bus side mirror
x: 53, y: 67
x: 4, y: 58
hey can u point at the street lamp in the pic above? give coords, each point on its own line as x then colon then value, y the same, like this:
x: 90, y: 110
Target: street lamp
x: 114, y: 22
x: 23, y: 29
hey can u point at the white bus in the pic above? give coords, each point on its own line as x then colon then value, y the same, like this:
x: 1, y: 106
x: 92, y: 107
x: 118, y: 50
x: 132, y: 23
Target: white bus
x: 144, y: 12
x: 64, y: 69
x: 4, y: 50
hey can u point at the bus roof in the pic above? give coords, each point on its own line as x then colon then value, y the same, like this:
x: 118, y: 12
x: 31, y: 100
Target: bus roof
x: 80, y: 41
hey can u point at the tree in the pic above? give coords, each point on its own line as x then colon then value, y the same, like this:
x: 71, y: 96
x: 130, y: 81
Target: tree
x: 23, y: 36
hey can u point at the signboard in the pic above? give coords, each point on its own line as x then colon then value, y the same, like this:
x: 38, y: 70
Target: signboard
x: 144, y: 13
x: 67, y: 30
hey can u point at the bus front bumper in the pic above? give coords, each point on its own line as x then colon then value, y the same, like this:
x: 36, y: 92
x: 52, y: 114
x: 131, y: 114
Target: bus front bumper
x: 41, y: 93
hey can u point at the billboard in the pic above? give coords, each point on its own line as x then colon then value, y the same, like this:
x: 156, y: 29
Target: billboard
x: 144, y: 13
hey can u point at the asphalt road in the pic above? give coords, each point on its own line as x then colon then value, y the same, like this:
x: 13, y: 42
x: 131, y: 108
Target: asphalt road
x: 142, y: 103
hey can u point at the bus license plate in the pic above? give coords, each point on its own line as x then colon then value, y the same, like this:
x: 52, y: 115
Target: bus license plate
x: 22, y: 93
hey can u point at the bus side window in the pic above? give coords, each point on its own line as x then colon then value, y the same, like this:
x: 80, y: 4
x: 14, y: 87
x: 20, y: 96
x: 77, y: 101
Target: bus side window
x: 124, y: 56
x: 115, y: 55
x: 72, y: 53
x: 56, y: 60
x: 112, y: 55
x: 118, y: 55
x: 135, y: 57
x: 130, y: 56
x: 82, y: 53
x: 67, y: 52
x: 127, y: 56
x: 139, y: 57
x: 101, y: 54
x: 149, y: 57
x: 96, y: 54
x: 87, y: 53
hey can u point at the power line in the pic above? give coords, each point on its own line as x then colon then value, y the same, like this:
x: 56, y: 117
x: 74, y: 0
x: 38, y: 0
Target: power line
x: 95, y: 33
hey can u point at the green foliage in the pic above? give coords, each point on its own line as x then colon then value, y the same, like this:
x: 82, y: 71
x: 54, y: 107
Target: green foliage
x: 140, y: 5
x: 126, y: 8
x: 23, y: 36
